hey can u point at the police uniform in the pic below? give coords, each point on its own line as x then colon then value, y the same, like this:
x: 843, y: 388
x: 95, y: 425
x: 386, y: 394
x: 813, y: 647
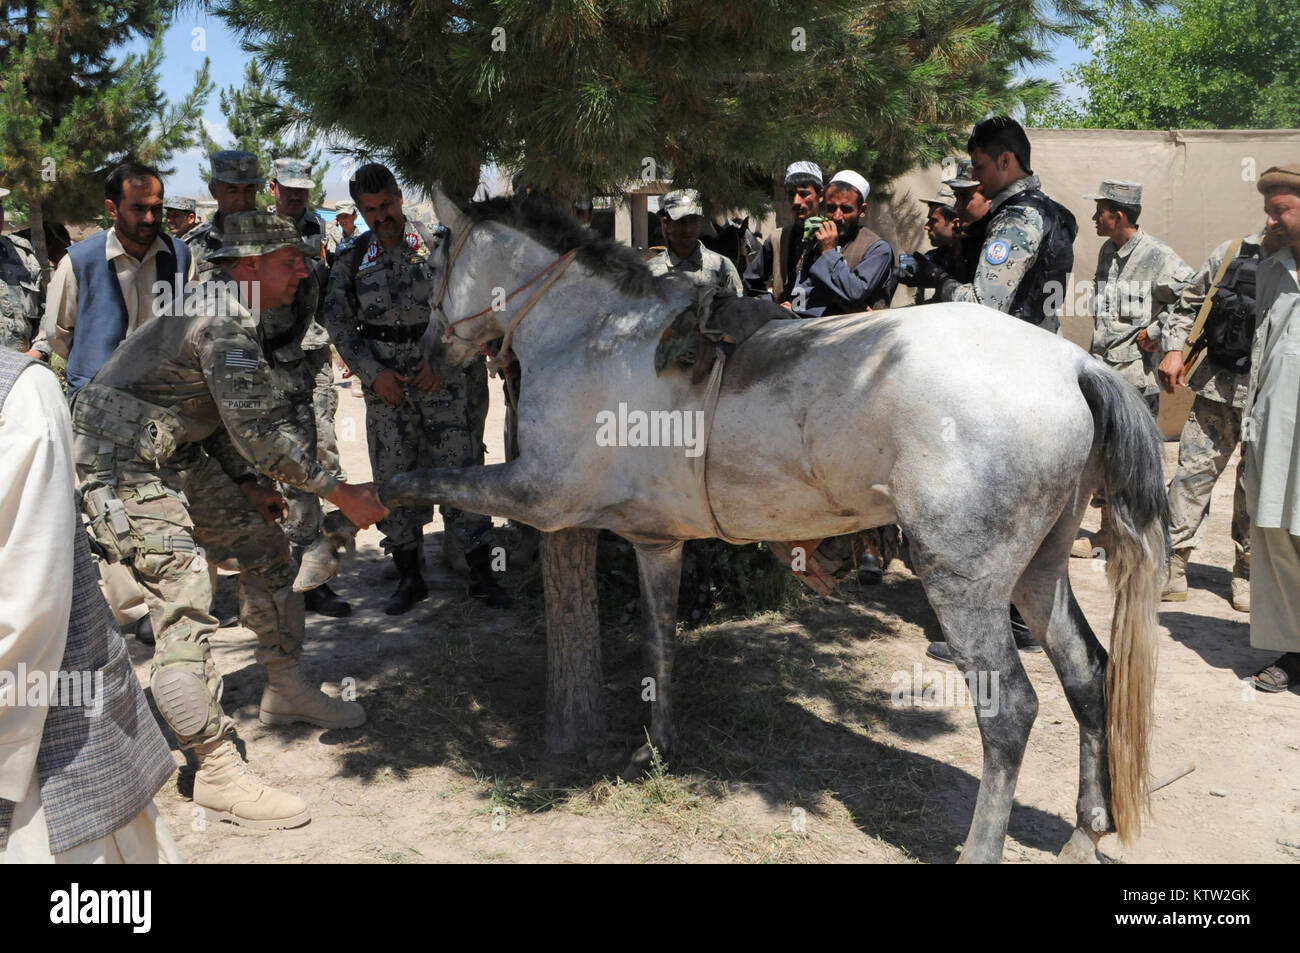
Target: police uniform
x: 1132, y: 288
x: 1026, y: 257
x: 1213, y: 427
x: 22, y: 292
x: 376, y: 312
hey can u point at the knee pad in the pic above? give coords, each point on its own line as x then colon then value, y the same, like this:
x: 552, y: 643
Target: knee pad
x: 181, y: 690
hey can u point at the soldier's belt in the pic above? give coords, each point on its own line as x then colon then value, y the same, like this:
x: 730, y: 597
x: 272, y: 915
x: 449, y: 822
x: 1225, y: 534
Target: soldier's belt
x: 401, y: 334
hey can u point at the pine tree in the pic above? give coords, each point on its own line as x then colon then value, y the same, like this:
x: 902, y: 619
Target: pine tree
x: 69, y: 113
x: 596, y: 94
x: 262, y: 124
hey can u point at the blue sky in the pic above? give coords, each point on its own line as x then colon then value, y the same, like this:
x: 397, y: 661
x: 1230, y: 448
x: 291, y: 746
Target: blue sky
x: 181, y: 60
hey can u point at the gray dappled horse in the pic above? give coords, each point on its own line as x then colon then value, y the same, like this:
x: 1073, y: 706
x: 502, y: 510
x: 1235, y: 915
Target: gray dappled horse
x: 981, y: 436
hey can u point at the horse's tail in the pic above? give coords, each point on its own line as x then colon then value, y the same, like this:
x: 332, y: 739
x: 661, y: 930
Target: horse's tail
x: 1133, y: 479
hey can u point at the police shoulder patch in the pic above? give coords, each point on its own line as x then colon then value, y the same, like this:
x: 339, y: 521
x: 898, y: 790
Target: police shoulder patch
x: 995, y: 252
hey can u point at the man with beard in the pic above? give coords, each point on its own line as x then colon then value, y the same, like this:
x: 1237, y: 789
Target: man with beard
x: 104, y: 288
x: 776, y: 260
x: 845, y: 267
x: 376, y: 311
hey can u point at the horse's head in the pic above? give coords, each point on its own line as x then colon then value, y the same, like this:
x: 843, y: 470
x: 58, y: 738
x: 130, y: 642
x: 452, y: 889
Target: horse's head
x: 459, y: 330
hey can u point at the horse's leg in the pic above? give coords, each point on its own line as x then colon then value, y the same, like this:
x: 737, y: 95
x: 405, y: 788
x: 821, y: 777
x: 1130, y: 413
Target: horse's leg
x: 1047, y: 603
x: 513, y: 490
x: 973, y: 613
x: 660, y: 568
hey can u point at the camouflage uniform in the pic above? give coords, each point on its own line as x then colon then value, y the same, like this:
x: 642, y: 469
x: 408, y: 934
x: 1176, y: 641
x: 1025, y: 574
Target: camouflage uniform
x: 376, y: 312
x: 1018, y: 233
x: 306, y: 371
x: 1133, y: 287
x: 164, y: 435
x: 703, y: 267
x: 22, y: 293
x: 1213, y: 428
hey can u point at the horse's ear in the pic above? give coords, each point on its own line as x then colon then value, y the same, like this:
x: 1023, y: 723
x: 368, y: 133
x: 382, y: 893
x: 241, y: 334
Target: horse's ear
x: 744, y: 224
x: 449, y: 212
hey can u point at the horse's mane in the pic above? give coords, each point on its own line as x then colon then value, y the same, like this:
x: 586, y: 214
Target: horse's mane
x: 559, y: 232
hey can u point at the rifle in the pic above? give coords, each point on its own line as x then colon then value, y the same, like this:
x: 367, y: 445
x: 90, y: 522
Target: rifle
x: 1194, y: 350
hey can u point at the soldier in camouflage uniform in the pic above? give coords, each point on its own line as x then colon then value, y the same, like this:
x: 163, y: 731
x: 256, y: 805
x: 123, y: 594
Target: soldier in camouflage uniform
x: 1212, y: 430
x: 22, y: 292
x: 1028, y: 243
x: 1138, y: 278
x: 342, y: 229
x: 376, y: 311
x: 170, y: 438
x: 306, y: 364
x: 180, y: 215
x: 682, y: 217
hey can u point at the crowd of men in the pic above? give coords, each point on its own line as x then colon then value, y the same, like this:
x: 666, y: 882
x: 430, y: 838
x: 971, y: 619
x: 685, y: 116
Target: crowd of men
x: 201, y: 429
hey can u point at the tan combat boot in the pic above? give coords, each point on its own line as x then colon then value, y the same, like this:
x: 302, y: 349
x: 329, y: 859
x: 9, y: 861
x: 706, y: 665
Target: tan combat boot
x: 1240, y: 594
x: 1176, y: 583
x: 288, y: 698
x: 228, y: 791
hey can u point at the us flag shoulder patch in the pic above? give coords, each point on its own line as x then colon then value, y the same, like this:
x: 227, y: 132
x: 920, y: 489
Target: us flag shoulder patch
x: 241, y: 360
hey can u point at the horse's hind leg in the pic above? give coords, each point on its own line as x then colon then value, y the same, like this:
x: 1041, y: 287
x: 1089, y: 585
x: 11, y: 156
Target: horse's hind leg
x: 973, y: 613
x: 660, y: 569
x: 1047, y: 603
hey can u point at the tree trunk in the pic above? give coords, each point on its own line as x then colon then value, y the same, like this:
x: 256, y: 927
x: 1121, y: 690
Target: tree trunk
x: 575, y: 709
x: 36, y: 219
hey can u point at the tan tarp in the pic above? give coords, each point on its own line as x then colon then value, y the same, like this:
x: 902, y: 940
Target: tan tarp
x: 1198, y: 190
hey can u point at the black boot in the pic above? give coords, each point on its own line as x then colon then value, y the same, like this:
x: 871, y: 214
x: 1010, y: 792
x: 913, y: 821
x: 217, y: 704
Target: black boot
x: 1024, y: 640
x: 144, y: 631
x: 482, y: 581
x: 410, y: 585
x: 326, y: 601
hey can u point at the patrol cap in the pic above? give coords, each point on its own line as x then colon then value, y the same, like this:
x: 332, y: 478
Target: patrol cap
x: 965, y: 178
x: 1277, y: 177
x: 345, y: 208
x: 179, y: 203
x: 849, y: 177
x: 249, y: 234
x: 1119, y: 191
x: 804, y: 168
x: 682, y: 203
x: 235, y: 168
x: 292, y: 173
x: 946, y: 196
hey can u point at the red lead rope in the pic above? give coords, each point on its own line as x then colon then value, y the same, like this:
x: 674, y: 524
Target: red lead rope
x: 448, y: 335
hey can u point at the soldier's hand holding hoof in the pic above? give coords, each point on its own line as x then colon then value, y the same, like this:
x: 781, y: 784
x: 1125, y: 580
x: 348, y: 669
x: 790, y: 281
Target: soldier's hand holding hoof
x: 426, y: 381
x: 269, y: 504
x: 359, y: 502
x: 388, y: 385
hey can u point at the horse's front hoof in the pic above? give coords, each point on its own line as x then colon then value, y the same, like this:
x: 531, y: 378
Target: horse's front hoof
x: 640, y: 763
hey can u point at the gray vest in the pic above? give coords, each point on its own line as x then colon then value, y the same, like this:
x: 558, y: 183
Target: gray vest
x: 96, y: 771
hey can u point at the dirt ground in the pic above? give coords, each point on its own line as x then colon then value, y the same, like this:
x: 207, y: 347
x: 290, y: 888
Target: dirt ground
x: 791, y: 747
